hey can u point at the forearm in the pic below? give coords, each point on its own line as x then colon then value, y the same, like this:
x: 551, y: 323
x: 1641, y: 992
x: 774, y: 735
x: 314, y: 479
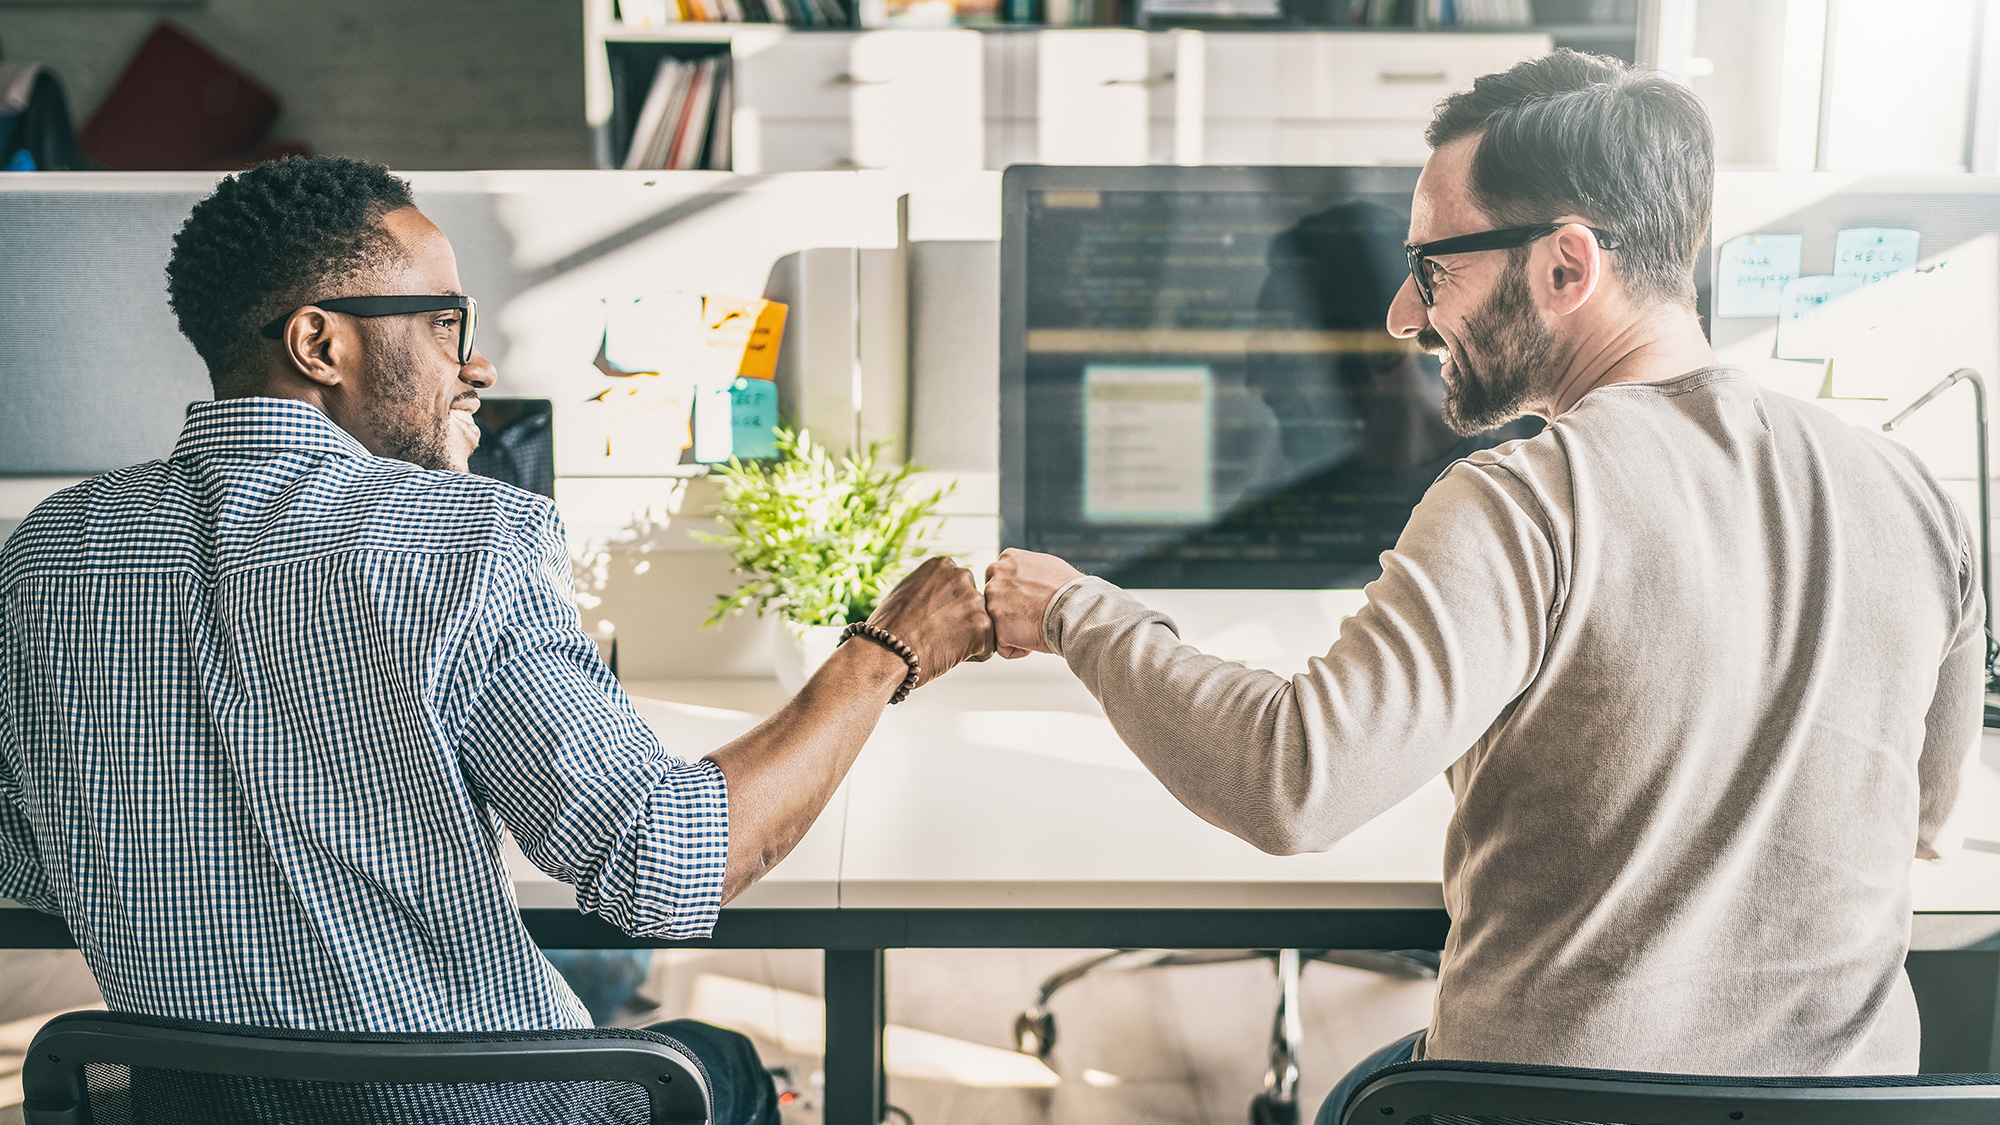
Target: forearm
x: 782, y: 773
x: 1221, y: 737
x: 1451, y: 633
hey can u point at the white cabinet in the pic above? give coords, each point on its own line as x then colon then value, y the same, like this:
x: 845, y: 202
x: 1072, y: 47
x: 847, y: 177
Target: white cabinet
x: 962, y: 99
x: 916, y: 100
x: 1091, y: 97
x: 1339, y: 97
x: 871, y: 99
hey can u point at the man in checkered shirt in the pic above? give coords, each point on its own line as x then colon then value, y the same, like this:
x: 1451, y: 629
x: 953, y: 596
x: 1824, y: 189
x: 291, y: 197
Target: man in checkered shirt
x: 265, y: 705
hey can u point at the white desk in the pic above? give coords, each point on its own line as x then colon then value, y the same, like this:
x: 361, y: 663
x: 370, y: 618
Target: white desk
x: 997, y: 808
x: 1003, y: 787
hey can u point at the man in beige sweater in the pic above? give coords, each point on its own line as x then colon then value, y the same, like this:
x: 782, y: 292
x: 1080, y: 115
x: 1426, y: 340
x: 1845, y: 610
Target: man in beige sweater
x: 1700, y: 662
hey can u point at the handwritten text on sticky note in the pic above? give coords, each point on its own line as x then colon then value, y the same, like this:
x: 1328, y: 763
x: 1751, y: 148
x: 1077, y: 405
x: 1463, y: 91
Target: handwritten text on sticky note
x: 1869, y: 254
x: 1805, y: 314
x: 1752, y: 273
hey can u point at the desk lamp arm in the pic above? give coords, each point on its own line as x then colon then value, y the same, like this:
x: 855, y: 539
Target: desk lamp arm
x: 1968, y: 375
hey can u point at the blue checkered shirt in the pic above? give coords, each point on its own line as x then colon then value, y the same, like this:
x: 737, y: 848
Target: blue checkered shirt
x: 264, y: 708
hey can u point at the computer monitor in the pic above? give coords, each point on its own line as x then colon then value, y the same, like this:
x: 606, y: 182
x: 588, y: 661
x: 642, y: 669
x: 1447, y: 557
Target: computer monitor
x: 1198, y: 387
x: 517, y: 443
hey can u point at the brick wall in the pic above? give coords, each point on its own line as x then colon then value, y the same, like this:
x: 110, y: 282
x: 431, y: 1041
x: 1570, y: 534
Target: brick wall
x: 441, y: 84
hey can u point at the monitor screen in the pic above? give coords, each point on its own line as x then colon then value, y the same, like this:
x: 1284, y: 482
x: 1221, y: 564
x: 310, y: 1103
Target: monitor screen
x: 517, y: 443
x: 1198, y: 388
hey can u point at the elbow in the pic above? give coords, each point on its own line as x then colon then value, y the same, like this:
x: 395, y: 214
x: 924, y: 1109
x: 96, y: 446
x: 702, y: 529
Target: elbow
x: 1290, y: 838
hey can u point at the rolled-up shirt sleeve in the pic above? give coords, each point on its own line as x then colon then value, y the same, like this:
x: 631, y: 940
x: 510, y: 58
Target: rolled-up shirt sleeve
x: 554, y: 746
x: 22, y: 876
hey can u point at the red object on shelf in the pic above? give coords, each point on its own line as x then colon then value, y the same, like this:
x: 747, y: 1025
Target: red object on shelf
x: 178, y: 105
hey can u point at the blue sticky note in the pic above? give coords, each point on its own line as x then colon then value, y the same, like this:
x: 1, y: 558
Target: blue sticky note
x: 1752, y: 271
x: 1804, y: 324
x: 1869, y: 254
x: 754, y: 415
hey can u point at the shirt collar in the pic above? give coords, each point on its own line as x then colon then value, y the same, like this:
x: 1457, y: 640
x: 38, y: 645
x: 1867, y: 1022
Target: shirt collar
x: 235, y: 425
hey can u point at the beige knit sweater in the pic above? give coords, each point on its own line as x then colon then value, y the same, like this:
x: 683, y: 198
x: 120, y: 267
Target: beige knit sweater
x: 1701, y: 664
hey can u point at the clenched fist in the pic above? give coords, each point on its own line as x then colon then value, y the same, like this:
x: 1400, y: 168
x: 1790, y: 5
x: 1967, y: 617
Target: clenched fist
x: 937, y: 610
x: 1018, y: 589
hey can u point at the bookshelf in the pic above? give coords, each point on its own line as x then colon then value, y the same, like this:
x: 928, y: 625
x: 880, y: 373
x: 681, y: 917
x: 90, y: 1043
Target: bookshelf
x: 799, y: 92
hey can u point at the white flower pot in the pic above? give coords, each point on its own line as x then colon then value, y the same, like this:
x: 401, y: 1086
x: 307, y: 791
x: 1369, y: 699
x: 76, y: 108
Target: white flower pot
x: 800, y: 650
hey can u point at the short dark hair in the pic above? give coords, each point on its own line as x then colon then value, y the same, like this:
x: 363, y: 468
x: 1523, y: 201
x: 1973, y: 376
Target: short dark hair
x: 1626, y: 148
x: 269, y: 240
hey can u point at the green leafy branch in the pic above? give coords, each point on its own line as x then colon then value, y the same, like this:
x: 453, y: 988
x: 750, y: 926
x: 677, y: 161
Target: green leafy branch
x: 817, y: 539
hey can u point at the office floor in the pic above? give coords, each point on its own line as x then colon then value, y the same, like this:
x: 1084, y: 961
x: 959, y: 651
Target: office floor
x: 1181, y: 1046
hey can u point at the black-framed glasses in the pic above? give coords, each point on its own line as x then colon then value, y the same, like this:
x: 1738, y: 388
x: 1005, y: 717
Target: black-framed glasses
x: 397, y: 306
x: 1503, y: 239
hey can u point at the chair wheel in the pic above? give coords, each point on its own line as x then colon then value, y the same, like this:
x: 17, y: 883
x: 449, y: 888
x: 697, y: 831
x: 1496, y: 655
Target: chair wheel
x: 1265, y: 1111
x: 1035, y: 1034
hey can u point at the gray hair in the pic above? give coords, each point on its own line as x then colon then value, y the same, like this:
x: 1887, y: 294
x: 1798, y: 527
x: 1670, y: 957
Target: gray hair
x: 1572, y: 134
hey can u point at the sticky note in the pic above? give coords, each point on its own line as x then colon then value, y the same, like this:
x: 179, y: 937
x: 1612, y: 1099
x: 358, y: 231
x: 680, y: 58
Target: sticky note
x: 653, y: 332
x: 740, y: 336
x: 1751, y: 273
x: 714, y: 422
x: 1869, y: 254
x: 754, y: 417
x: 644, y: 421
x: 1806, y: 311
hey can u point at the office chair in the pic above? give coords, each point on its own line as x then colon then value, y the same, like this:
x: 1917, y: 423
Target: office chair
x: 1278, y: 1102
x: 1444, y: 1092
x: 111, y: 1068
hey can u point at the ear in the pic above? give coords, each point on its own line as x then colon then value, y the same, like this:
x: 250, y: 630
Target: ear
x: 318, y: 346
x: 1574, y: 270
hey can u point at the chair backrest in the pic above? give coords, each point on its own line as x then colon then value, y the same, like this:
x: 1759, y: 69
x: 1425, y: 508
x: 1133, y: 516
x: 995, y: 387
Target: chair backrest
x: 1447, y: 1092
x: 110, y: 1068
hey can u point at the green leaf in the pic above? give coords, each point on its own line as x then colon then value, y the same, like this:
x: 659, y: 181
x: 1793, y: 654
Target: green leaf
x: 817, y: 540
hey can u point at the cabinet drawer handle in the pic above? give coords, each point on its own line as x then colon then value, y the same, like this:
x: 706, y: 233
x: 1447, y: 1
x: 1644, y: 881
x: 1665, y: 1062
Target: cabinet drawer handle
x: 1162, y: 80
x: 850, y: 80
x: 1413, y: 77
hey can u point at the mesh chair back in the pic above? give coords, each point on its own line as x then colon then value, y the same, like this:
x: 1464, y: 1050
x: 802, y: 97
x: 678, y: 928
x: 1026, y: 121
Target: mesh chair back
x: 108, y: 1068
x: 1447, y: 1092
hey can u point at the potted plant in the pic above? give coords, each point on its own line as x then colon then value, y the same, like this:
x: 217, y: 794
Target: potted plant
x: 818, y: 540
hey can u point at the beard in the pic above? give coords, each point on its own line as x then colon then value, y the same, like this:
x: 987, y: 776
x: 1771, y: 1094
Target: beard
x: 399, y: 409
x: 1492, y: 389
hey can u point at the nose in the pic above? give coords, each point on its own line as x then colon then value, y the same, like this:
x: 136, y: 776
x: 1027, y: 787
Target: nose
x: 478, y: 371
x: 1407, y: 314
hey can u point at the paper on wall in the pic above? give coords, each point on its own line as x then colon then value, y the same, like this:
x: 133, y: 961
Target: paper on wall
x: 1752, y: 272
x: 646, y: 423
x: 1896, y: 338
x: 1872, y: 254
x: 714, y: 421
x: 1808, y: 313
x: 657, y: 332
x: 754, y: 418
x: 740, y: 336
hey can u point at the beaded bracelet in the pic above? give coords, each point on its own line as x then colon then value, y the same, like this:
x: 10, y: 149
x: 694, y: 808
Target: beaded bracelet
x: 894, y: 644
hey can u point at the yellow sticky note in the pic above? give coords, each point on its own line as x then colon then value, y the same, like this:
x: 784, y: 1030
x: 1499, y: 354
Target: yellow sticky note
x: 741, y: 336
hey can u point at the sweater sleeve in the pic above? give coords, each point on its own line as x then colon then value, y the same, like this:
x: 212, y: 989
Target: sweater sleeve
x: 1452, y: 633
x: 1952, y: 723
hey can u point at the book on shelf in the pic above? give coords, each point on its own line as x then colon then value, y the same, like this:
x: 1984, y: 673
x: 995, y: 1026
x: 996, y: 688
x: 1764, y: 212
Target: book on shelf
x: 640, y: 14
x: 1212, y: 9
x: 685, y: 120
x: 1479, y: 13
